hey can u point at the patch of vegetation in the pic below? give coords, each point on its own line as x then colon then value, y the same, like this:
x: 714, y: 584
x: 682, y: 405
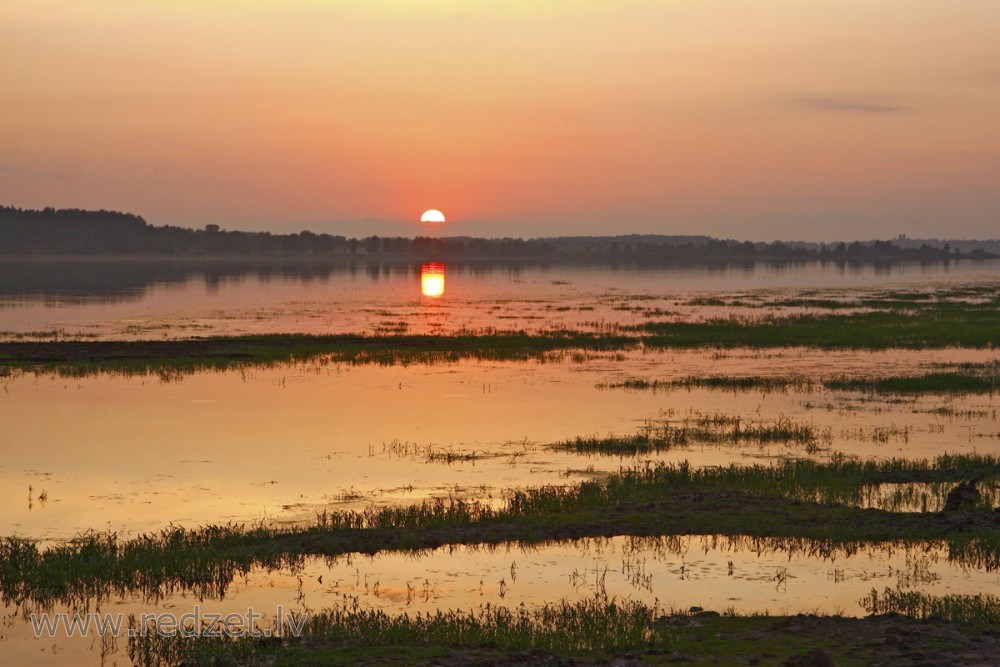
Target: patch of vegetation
x: 935, y: 325
x: 981, y: 608
x: 590, y: 632
x: 981, y: 378
x: 590, y: 625
x: 700, y: 429
x: 763, y: 383
x: 930, y: 383
x: 168, y: 358
x: 432, y: 454
x: 974, y: 296
x: 794, y: 499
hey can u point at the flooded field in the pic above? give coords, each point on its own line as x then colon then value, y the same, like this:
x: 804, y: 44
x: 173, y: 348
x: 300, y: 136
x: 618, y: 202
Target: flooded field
x: 284, y: 443
x: 671, y: 574
x: 280, y: 444
x: 142, y: 300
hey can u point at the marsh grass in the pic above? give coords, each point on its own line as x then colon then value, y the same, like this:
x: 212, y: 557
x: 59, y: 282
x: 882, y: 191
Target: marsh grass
x: 596, y: 624
x: 974, y: 296
x: 775, y: 500
x: 920, y: 496
x: 982, y: 378
x: 765, y: 384
x: 701, y: 429
x: 430, y: 453
x: 171, y: 358
x: 930, y: 325
x: 95, y: 567
x: 981, y: 608
x: 934, y: 325
x: 930, y: 383
x: 598, y: 627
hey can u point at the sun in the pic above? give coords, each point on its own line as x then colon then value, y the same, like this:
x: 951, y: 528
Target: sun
x: 432, y: 215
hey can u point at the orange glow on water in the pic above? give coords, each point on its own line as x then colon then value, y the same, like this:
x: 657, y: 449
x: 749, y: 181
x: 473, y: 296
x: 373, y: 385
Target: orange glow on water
x: 432, y: 280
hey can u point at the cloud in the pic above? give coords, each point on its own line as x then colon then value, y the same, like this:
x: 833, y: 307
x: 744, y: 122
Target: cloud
x: 850, y: 105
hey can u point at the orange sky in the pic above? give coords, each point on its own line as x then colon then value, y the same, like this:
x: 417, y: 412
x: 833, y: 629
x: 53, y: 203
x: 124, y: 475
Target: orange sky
x: 811, y: 119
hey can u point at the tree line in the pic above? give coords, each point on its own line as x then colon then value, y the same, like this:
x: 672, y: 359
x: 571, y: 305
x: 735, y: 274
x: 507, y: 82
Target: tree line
x: 49, y: 231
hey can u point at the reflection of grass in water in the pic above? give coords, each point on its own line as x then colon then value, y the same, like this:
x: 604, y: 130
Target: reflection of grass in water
x: 917, y: 496
x: 701, y: 429
x: 430, y: 453
x: 791, y: 500
x: 981, y: 608
x: 397, y: 327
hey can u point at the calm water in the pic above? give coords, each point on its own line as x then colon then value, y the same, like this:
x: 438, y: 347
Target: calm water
x: 135, y: 299
x: 134, y: 454
x: 673, y: 573
x: 284, y: 443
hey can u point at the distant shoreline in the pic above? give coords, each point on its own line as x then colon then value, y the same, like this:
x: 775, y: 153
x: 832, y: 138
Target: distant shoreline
x: 51, y: 233
x: 554, y: 259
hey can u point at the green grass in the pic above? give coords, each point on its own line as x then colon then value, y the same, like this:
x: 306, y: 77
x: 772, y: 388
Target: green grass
x: 980, y: 378
x: 165, y: 358
x: 933, y: 326
x: 930, y: 383
x: 590, y: 625
x: 791, y: 500
x: 597, y: 631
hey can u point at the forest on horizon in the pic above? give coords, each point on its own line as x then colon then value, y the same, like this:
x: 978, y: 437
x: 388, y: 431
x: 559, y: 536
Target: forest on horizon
x: 66, y: 232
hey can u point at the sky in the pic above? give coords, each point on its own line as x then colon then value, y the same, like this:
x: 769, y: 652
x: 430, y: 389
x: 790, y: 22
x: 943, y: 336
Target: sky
x: 763, y: 119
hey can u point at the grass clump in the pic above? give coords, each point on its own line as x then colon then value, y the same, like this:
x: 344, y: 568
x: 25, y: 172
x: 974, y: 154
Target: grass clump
x: 700, y: 429
x: 936, y: 325
x: 590, y: 625
x: 982, y: 378
x: 981, y: 608
x: 930, y: 383
x: 167, y: 357
x: 766, y: 384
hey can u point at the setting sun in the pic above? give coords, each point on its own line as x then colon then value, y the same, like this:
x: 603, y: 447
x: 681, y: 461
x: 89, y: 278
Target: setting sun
x: 432, y: 215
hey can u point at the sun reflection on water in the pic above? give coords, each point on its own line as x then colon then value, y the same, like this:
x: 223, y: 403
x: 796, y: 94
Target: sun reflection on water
x: 432, y: 280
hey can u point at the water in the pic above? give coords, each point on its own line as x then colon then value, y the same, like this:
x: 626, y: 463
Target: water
x: 135, y: 454
x: 135, y: 299
x: 779, y: 576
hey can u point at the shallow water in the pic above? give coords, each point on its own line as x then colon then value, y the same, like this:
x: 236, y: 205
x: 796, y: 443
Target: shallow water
x: 131, y: 454
x: 137, y: 300
x: 718, y: 573
x: 279, y: 444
